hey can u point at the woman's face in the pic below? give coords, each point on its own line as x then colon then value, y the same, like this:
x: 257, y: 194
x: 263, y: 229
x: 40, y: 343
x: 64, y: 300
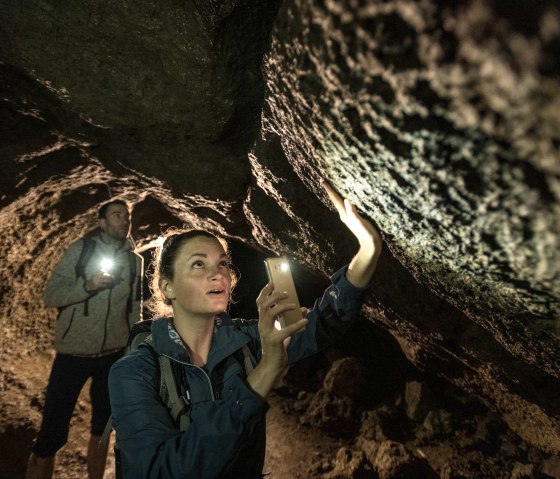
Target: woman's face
x: 202, y: 280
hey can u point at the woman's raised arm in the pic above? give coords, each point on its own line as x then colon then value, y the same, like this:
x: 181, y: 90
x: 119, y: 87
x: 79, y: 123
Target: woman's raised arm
x: 363, y: 263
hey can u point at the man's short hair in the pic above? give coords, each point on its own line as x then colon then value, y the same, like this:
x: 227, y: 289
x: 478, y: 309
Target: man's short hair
x: 105, y: 206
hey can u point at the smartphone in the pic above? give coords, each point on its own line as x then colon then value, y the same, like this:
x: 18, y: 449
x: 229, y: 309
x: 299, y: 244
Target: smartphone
x: 279, y: 274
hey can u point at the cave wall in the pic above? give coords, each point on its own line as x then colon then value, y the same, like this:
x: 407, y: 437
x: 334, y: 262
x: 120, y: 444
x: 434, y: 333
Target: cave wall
x: 438, y: 119
x: 440, y: 122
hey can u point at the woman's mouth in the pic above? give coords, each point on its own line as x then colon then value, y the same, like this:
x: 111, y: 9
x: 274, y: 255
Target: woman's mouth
x: 216, y: 291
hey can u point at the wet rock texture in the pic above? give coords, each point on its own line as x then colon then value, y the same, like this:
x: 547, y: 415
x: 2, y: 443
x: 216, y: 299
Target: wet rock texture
x: 438, y: 119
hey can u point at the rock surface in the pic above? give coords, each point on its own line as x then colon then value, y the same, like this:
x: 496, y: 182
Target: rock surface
x: 438, y: 119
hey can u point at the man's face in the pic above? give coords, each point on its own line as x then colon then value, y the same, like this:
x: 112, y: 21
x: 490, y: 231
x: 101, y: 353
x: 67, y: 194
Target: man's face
x: 116, y: 223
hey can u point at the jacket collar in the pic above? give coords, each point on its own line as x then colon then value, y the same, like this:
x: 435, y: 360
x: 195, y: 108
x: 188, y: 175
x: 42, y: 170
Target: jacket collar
x: 226, y: 340
x: 126, y: 244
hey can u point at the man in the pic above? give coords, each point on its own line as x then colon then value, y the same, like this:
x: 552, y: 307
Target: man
x: 97, y: 287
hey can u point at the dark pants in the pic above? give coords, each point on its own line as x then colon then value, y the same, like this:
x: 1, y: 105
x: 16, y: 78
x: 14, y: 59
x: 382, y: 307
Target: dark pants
x: 68, y: 376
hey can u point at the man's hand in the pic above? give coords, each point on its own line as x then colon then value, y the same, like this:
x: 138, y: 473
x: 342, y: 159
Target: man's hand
x: 99, y: 281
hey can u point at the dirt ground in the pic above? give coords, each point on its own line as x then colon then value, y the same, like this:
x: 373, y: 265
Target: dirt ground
x: 478, y: 446
x: 291, y: 446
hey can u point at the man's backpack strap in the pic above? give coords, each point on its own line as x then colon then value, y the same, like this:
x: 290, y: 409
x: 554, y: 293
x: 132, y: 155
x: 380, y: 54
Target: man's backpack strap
x: 88, y: 247
x: 138, y: 297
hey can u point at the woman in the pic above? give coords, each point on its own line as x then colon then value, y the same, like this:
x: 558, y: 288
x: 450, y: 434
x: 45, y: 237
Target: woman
x: 226, y: 436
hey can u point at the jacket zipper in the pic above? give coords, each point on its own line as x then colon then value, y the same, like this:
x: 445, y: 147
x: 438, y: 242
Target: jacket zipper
x: 106, y: 318
x: 228, y: 468
x: 69, y: 324
x: 201, y: 370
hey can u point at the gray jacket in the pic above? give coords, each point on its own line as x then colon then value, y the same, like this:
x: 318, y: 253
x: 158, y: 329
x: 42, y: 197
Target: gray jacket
x: 90, y: 323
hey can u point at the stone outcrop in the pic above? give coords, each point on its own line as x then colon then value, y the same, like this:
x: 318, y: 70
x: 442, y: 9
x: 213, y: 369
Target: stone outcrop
x: 438, y: 119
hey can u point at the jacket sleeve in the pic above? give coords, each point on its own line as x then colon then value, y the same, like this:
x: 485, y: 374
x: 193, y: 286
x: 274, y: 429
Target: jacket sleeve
x: 330, y: 317
x: 63, y: 287
x: 151, y: 445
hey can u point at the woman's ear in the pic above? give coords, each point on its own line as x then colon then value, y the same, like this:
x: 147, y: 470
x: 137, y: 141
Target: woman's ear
x: 166, y: 288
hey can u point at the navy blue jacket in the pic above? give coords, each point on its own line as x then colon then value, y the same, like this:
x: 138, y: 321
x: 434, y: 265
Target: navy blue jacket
x: 226, y: 437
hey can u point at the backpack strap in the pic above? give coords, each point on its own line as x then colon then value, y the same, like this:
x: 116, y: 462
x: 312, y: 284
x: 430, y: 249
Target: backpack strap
x: 178, y: 405
x: 249, y: 361
x: 132, y: 267
x: 136, y: 277
x: 167, y: 385
x: 167, y: 378
x: 88, y: 247
x: 135, y: 340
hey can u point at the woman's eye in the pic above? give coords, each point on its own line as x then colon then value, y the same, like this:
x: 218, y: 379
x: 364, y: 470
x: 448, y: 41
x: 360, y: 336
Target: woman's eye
x: 224, y: 264
x: 198, y: 264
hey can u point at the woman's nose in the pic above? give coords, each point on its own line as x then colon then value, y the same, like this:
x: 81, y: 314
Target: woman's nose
x: 216, y: 272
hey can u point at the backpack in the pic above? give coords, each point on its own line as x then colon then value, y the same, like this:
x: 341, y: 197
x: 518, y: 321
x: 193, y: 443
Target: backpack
x: 88, y: 247
x: 167, y: 382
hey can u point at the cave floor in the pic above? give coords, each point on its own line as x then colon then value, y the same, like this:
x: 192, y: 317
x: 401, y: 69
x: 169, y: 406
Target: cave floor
x: 293, y: 450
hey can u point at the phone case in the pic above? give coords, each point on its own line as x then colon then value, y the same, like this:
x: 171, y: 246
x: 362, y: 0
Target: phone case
x: 279, y: 274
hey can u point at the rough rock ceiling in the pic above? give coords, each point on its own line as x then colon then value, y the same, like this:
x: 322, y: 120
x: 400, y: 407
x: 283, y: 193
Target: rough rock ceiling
x: 438, y: 119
